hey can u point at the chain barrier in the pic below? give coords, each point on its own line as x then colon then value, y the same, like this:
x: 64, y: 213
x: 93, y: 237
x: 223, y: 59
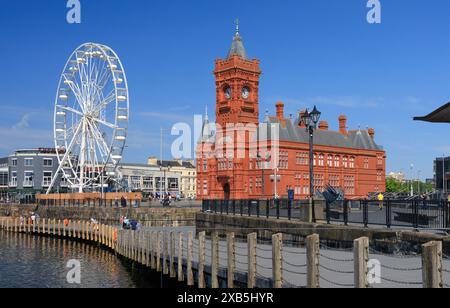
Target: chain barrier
x: 336, y: 259
x: 294, y: 265
x: 335, y: 270
x: 343, y: 285
x: 408, y: 283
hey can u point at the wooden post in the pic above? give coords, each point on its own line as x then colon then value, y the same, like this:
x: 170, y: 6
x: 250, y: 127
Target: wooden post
x: 215, y: 260
x: 54, y: 226
x: 201, y: 259
x: 153, y: 250
x: 166, y: 253
x: 59, y: 227
x: 173, y: 274
x: 43, y: 225
x: 277, y: 260
x: 158, y: 251
x: 252, y: 239
x: 432, y: 265
x: 180, y: 257
x: 361, y: 257
x: 190, y: 274
x: 231, y: 260
x: 312, y: 247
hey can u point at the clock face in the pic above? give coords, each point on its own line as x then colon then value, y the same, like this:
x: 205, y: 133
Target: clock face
x: 228, y: 92
x: 245, y: 92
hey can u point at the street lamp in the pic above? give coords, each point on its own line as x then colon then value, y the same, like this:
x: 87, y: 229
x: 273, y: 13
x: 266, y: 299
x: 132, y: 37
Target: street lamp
x: 310, y: 120
x: 263, y: 162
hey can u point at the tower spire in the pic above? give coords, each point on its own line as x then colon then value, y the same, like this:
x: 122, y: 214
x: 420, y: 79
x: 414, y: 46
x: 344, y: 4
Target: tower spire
x: 237, y: 26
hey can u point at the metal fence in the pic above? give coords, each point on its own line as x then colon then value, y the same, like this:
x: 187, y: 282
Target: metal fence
x: 415, y: 214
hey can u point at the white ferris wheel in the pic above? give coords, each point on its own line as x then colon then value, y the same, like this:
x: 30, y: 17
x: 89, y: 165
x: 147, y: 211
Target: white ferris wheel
x: 90, y: 118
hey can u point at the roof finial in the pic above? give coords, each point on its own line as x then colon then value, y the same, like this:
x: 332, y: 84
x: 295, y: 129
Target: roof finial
x: 206, y: 112
x: 237, y: 26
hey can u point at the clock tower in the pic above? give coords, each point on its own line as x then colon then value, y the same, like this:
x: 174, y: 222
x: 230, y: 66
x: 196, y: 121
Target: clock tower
x: 237, y: 85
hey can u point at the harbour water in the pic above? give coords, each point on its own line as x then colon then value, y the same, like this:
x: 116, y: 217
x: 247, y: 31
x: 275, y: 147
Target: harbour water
x: 28, y: 261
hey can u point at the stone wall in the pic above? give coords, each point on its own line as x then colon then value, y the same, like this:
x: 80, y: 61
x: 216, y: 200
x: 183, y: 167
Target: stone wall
x: 146, y: 216
x: 386, y: 240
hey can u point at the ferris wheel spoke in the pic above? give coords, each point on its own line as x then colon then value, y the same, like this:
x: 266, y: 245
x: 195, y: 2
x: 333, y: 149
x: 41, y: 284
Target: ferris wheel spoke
x: 100, y: 142
x: 110, y: 125
x: 71, y: 110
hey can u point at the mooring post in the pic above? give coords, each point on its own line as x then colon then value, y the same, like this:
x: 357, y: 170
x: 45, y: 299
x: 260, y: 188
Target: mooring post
x: 201, y: 259
x: 231, y: 260
x: 153, y: 250
x: 432, y: 265
x: 252, y: 239
x: 215, y: 260
x: 190, y: 275
x: 361, y: 257
x: 277, y: 260
x: 312, y: 248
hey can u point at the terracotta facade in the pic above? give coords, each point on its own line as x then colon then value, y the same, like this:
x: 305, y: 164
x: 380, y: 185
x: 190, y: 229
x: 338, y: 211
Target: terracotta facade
x: 349, y: 160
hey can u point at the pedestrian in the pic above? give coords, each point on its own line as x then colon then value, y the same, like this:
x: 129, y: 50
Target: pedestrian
x: 123, y: 202
x: 116, y: 202
x: 380, y: 201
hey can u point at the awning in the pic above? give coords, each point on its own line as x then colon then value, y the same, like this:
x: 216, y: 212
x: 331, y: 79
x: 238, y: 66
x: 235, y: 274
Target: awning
x: 442, y: 115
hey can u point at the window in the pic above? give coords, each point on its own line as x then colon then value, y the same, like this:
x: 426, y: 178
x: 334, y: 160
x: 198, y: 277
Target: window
x: 205, y: 187
x: 319, y: 183
x: 28, y: 162
x: 379, y: 176
x: 3, y: 178
x: 306, y: 190
x: 283, y: 160
x: 345, y: 162
x: 366, y: 163
x: 321, y: 160
x: 352, y: 163
x: 380, y: 160
x: 64, y: 182
x: 329, y: 161
x: 349, y: 185
x: 135, y: 182
x: 251, y: 185
x: 48, y: 162
x: 13, y: 179
x: 337, y: 161
x: 47, y: 180
x: 302, y: 158
x: 334, y: 181
x: 205, y: 166
x: 147, y: 182
x: 14, y: 162
x: 28, y: 179
x: 315, y: 160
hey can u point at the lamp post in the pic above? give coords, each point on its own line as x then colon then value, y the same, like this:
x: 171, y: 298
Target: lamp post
x: 263, y: 161
x: 310, y: 119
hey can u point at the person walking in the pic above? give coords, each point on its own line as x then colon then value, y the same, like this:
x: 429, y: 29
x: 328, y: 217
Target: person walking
x: 123, y: 202
x: 380, y: 201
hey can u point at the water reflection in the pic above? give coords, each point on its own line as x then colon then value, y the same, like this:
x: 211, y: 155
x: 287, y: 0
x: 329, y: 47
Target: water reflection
x: 40, y: 262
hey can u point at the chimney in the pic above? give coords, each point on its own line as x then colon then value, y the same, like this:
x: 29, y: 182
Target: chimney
x: 323, y: 125
x: 302, y: 113
x: 343, y: 124
x: 280, y: 110
x: 152, y: 161
x: 371, y: 132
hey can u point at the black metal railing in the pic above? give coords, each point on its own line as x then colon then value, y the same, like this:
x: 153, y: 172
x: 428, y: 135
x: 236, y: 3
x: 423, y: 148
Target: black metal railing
x: 417, y: 214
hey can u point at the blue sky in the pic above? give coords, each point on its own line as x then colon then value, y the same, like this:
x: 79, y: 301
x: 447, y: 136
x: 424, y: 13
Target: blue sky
x: 312, y: 52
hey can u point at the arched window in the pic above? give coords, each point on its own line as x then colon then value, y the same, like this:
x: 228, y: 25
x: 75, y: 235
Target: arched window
x: 352, y: 162
x: 345, y: 162
x: 321, y: 160
x: 337, y: 161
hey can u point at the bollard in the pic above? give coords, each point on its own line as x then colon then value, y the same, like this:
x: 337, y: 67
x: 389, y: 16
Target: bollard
x: 361, y: 257
x: 201, y: 259
x: 312, y: 250
x: 432, y: 265
x: 251, y: 244
x: 277, y: 260
x: 215, y: 260
x: 231, y: 260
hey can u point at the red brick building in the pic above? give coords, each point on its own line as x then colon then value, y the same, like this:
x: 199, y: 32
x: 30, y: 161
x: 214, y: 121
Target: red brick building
x: 233, y: 166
